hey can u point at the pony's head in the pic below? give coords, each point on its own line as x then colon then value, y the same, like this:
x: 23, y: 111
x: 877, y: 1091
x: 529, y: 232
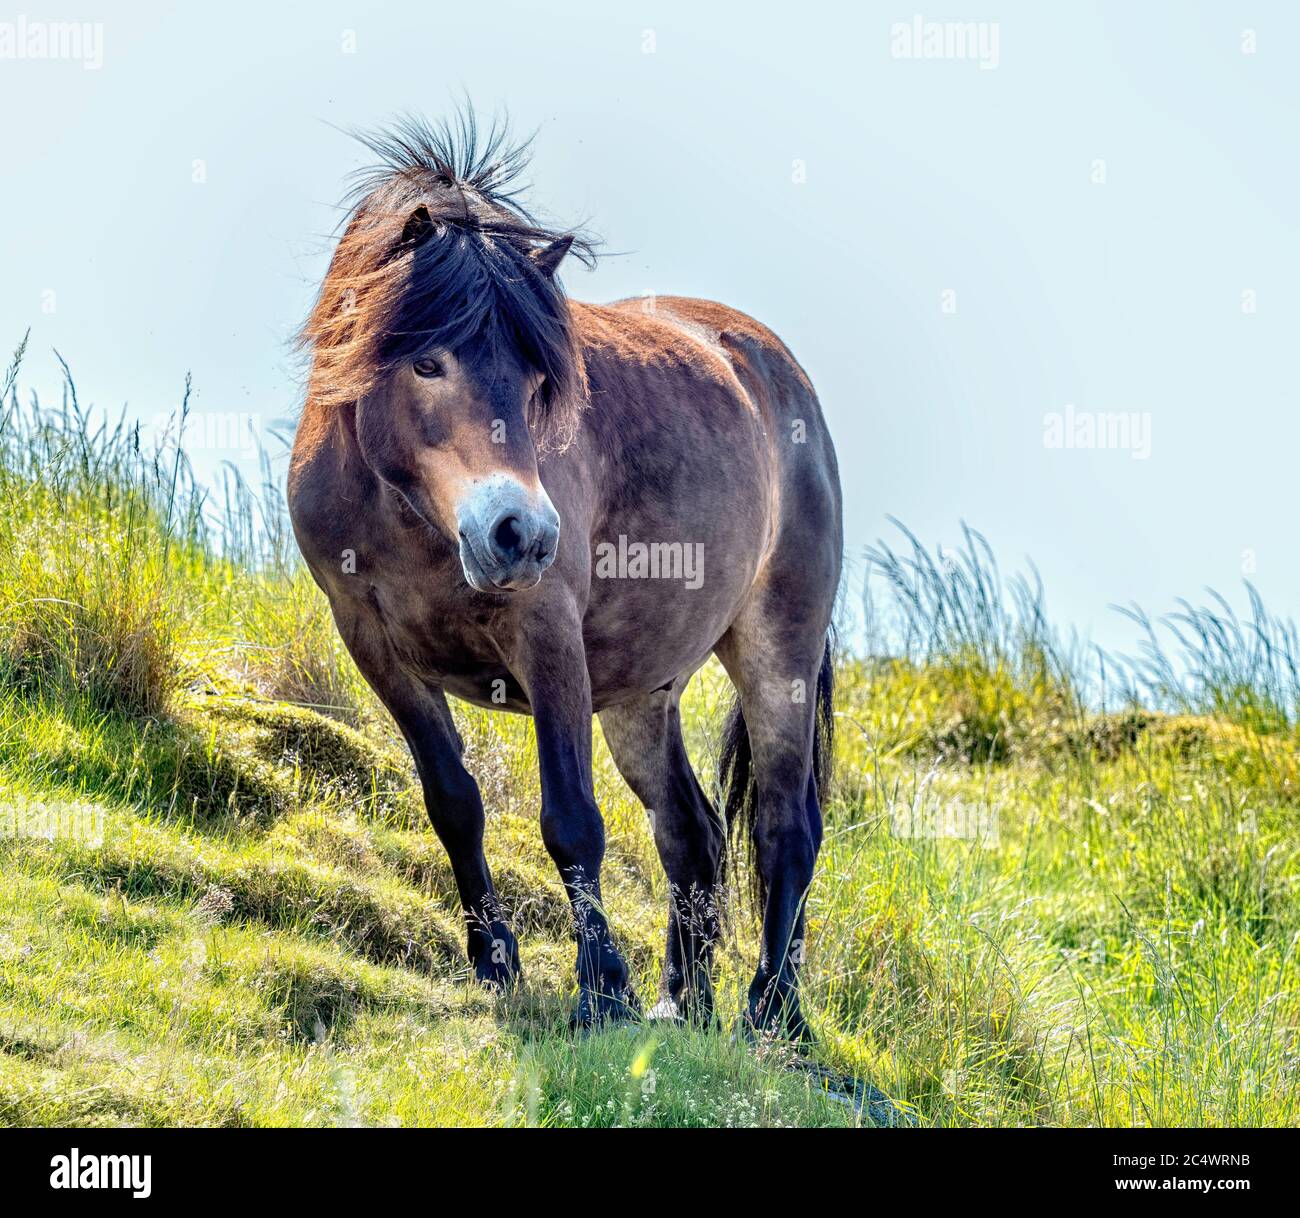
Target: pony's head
x: 442, y: 326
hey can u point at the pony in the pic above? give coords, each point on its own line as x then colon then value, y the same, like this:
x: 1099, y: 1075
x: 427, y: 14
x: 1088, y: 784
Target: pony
x: 564, y: 509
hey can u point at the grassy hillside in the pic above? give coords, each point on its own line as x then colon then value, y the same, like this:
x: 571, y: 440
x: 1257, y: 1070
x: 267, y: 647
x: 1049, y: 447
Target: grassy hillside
x: 221, y: 903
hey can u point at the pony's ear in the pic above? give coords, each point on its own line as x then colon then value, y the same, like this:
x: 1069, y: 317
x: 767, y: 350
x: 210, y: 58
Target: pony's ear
x: 549, y: 257
x: 419, y: 224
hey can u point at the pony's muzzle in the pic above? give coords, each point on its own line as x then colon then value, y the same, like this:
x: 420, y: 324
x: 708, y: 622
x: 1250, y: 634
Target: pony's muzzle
x: 508, y: 536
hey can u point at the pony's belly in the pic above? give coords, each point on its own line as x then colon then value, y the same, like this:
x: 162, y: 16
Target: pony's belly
x: 642, y: 634
x: 491, y: 689
x: 630, y: 652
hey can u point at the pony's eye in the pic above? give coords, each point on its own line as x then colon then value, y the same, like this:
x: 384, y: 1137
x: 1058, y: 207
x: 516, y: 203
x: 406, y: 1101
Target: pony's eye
x: 427, y: 367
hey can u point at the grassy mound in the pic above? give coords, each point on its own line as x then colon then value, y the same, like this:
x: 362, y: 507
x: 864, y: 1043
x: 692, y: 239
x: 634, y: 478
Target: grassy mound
x: 1037, y: 902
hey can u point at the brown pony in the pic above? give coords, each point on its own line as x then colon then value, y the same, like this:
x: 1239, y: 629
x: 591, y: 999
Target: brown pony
x: 563, y: 508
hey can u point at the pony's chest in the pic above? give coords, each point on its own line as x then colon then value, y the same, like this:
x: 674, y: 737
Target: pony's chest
x: 435, y: 624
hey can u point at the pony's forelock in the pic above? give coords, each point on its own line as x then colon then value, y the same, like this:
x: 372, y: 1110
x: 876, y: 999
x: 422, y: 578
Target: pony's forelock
x: 465, y: 271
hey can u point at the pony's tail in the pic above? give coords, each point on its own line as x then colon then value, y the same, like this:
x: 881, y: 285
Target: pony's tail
x: 739, y: 795
x: 736, y: 766
x: 823, y: 758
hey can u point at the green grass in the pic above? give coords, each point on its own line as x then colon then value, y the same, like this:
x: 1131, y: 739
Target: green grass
x: 1044, y: 897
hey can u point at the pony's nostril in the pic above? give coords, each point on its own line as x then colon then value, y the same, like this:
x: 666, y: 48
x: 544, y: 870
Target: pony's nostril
x: 508, y: 537
x: 548, y: 540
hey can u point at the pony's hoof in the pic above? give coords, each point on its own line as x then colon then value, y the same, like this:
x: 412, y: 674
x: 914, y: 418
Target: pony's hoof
x: 500, y: 976
x: 793, y: 1033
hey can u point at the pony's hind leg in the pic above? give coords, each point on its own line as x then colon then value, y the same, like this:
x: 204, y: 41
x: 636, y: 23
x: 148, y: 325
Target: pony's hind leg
x: 645, y: 737
x: 779, y: 670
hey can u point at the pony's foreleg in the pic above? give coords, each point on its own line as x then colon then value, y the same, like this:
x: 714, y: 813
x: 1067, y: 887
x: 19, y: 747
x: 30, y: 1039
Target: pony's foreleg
x: 553, y: 670
x: 645, y: 737
x: 451, y: 796
x: 455, y: 808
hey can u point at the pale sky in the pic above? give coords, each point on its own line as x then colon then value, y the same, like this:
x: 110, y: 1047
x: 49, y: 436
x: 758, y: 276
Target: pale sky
x: 1095, y: 212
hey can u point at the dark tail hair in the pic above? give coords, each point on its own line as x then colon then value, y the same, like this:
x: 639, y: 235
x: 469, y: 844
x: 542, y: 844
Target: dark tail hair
x: 736, y: 765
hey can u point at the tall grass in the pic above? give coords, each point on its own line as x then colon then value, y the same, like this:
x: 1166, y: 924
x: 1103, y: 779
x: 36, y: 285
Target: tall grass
x: 92, y: 530
x: 125, y: 576
x: 991, y: 643
x: 1204, y: 659
x: 990, y: 655
x: 1116, y: 941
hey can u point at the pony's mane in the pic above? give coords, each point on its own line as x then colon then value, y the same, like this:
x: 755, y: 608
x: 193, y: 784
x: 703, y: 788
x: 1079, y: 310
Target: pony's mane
x: 438, y: 250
